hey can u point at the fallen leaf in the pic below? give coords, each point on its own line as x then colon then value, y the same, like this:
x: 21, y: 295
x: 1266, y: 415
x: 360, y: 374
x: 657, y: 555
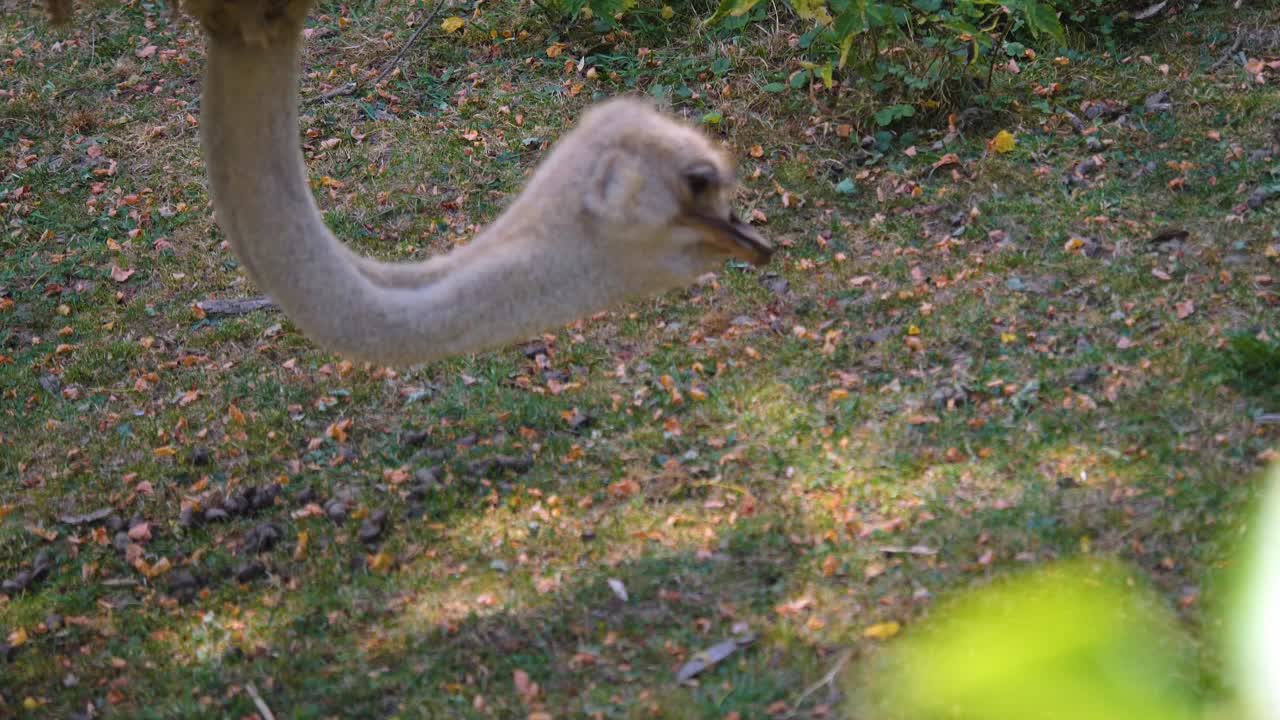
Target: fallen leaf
x: 830, y: 566
x: 704, y: 659
x: 948, y: 159
x: 882, y: 631
x: 121, y: 275
x: 1003, y: 142
x: 140, y: 532
x: 43, y: 534
x: 300, y: 551
x: 152, y: 571
x: 382, y: 562
x: 1185, y: 309
x: 618, y: 589
x: 18, y: 637
x: 451, y: 24
x: 145, y: 52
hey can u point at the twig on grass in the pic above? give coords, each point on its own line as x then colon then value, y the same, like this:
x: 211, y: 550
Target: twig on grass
x: 259, y: 702
x: 824, y: 681
x: 1226, y: 56
x: 351, y: 87
x: 242, y: 306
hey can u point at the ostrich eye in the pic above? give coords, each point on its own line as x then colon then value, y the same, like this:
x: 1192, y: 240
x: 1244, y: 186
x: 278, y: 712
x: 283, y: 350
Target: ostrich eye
x: 700, y: 177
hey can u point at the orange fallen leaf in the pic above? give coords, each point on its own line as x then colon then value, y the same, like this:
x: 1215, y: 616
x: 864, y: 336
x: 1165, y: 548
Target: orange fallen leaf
x: 948, y: 159
x: 43, y: 534
x: 18, y: 637
x: 830, y: 566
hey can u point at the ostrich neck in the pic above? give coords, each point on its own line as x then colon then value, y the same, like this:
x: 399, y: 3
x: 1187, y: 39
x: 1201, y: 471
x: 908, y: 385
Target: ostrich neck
x: 518, y: 277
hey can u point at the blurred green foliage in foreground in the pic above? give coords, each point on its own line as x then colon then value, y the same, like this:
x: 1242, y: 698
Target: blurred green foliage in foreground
x: 1085, y: 640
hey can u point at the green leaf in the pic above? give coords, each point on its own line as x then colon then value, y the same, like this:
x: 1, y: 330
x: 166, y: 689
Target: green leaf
x: 799, y: 79
x: 846, y: 187
x: 1080, y: 640
x: 853, y: 21
x: 774, y: 87
x: 809, y: 9
x: 824, y: 72
x: 845, y: 45
x: 730, y: 8
x: 1043, y: 19
x: 887, y: 115
x: 713, y: 118
x: 927, y: 6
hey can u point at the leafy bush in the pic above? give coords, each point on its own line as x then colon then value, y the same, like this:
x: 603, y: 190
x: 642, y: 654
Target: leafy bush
x: 962, y: 40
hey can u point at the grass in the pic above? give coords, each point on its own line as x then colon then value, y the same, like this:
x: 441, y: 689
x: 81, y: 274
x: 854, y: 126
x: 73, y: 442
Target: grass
x: 977, y: 358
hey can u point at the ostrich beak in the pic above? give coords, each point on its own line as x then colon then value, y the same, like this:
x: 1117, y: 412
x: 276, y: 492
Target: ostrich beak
x: 736, y: 238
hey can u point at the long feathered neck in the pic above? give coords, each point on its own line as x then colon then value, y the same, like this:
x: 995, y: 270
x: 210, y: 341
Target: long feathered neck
x: 528, y: 271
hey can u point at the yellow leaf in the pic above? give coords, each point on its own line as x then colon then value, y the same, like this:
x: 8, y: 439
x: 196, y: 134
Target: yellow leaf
x: 151, y: 572
x: 382, y: 562
x: 1003, y: 142
x: 451, y: 24
x: 164, y: 451
x: 882, y: 631
x: 300, y: 552
x: 667, y: 13
x: 18, y: 637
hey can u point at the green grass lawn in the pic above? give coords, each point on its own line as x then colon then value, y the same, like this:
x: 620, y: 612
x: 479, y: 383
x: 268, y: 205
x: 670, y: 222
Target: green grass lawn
x: 961, y: 353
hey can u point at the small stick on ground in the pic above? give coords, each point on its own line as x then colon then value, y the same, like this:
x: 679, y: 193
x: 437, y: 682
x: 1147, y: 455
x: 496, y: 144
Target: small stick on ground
x: 259, y: 702
x: 825, y: 680
x: 1226, y: 56
x: 351, y: 87
x: 242, y: 306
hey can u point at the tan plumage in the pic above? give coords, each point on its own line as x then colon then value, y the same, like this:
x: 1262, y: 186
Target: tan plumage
x: 629, y: 203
